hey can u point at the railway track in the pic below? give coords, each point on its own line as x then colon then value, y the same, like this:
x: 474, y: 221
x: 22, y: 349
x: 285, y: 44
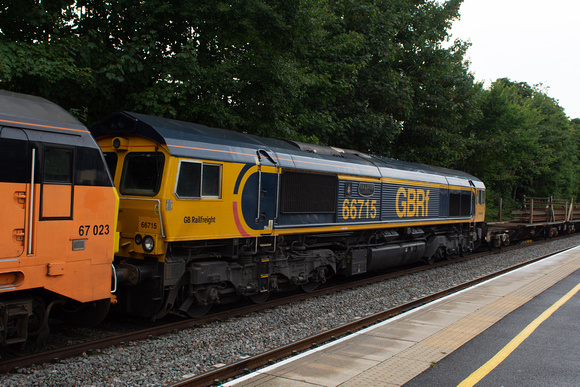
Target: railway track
x: 219, y: 376
x: 226, y: 372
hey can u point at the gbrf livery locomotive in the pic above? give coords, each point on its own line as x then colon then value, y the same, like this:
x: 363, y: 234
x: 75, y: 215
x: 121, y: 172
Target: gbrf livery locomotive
x: 57, y: 229
x: 208, y: 216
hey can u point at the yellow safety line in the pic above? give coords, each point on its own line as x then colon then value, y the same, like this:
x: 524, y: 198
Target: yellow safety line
x: 512, y: 345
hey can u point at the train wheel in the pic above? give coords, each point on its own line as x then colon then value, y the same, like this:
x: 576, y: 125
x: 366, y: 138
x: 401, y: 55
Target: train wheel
x: 38, y: 316
x: 197, y: 311
x: 309, y: 286
x: 38, y: 322
x: 88, y: 314
x: 198, y: 302
x: 259, y: 298
x: 439, y: 255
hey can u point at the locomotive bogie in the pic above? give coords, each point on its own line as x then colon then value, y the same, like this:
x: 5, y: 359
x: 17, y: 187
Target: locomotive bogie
x: 187, y: 203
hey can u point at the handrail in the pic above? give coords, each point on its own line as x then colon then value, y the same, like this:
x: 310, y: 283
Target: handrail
x: 31, y: 209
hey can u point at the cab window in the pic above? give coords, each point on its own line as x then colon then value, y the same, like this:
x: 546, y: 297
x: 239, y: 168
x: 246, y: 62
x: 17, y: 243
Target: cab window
x: 481, y: 197
x: 142, y: 174
x: 197, y: 180
x: 58, y: 165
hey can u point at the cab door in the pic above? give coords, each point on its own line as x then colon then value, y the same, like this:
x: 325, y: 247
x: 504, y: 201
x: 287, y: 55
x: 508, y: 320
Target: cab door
x: 15, y: 175
x: 56, y: 196
x: 267, y: 196
x: 480, y: 205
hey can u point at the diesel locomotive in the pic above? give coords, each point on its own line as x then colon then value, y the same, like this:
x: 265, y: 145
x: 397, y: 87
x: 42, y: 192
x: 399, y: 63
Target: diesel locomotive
x: 164, y: 216
x: 208, y: 216
x: 59, y: 213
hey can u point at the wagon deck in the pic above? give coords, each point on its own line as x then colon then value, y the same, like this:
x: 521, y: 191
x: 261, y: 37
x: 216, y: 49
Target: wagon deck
x: 538, y: 217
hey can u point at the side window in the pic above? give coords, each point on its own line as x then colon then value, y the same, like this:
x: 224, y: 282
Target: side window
x: 58, y: 165
x: 197, y: 180
x: 189, y: 180
x: 90, y: 168
x: 211, y: 179
x: 14, y: 157
x: 481, y: 197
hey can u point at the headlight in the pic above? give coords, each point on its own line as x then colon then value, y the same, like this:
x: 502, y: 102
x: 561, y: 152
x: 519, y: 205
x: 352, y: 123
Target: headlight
x: 138, y: 239
x: 148, y: 244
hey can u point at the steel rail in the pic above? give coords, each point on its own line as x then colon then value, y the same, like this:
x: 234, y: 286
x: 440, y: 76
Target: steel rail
x: 56, y: 354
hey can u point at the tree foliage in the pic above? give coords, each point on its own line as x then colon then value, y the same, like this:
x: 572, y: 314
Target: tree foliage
x: 524, y: 144
x: 379, y: 76
x: 345, y: 73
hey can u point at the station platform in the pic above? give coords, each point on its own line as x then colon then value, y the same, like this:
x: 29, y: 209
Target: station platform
x: 517, y: 329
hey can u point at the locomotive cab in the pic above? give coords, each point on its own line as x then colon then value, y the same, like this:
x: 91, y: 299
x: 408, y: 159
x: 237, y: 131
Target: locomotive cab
x: 480, y: 203
x: 178, y: 227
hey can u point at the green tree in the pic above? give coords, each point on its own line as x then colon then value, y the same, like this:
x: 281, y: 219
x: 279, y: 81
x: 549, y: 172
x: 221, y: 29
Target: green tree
x: 388, y: 68
x: 445, y: 103
x: 523, y: 144
x: 38, y: 50
x: 340, y: 72
x: 558, y: 161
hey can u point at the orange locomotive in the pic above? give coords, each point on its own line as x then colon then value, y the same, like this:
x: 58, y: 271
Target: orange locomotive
x: 57, y: 233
